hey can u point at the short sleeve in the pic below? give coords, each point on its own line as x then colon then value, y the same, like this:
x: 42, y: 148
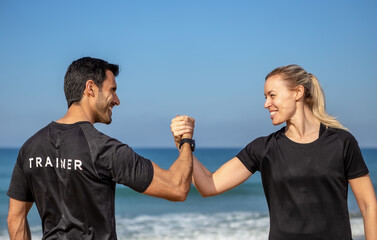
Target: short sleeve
x: 19, y: 188
x: 118, y: 162
x: 251, y: 155
x: 130, y: 169
x: 354, y: 162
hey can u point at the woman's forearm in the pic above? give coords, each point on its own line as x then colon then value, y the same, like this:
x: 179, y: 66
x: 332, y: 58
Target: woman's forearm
x: 370, y: 223
x: 202, y: 179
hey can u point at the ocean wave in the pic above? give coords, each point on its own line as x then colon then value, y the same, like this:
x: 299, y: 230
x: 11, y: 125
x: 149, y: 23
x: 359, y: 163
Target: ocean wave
x: 200, y: 226
x: 234, y: 225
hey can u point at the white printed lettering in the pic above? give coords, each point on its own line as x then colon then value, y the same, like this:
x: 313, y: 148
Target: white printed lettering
x: 78, y: 164
x: 48, y: 162
x: 62, y: 163
x: 38, y: 162
x: 30, y: 161
x: 69, y: 163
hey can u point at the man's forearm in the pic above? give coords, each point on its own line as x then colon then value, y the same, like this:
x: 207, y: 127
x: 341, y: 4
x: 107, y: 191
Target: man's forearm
x: 18, y: 225
x: 182, y: 168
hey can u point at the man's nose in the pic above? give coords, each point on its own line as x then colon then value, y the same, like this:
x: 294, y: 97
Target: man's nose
x: 116, y: 99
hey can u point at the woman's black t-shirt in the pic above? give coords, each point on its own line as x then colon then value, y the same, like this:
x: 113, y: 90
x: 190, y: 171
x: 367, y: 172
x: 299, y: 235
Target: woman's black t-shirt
x: 306, y: 185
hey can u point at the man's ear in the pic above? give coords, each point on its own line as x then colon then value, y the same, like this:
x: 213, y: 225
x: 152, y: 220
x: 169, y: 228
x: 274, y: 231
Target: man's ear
x: 300, y: 90
x: 90, y: 87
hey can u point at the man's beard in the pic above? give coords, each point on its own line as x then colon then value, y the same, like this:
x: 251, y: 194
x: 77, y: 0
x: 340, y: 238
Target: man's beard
x: 102, y: 114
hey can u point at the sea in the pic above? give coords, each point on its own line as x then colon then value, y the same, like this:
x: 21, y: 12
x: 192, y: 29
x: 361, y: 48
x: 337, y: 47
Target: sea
x: 238, y: 214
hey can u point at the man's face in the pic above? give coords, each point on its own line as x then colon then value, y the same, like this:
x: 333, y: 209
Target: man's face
x: 106, y: 99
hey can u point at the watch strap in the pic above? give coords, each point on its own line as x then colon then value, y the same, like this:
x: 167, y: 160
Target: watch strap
x: 189, y: 141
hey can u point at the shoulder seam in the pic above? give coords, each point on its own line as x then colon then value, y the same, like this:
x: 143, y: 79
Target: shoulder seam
x: 90, y: 149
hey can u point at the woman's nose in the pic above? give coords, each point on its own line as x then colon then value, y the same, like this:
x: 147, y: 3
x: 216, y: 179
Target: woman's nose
x: 267, y: 103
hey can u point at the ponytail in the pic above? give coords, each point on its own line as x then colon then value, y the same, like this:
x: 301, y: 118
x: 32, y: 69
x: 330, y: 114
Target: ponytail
x: 317, y: 105
x: 314, y: 96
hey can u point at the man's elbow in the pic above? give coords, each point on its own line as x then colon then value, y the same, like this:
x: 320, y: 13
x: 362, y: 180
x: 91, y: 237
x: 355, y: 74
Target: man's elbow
x: 180, y: 191
x: 181, y: 194
x: 10, y: 220
x: 180, y: 198
x: 13, y: 222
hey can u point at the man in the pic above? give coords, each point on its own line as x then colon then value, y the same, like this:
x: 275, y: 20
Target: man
x: 69, y: 169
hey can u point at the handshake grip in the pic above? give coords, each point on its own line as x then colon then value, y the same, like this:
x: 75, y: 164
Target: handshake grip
x: 182, y: 127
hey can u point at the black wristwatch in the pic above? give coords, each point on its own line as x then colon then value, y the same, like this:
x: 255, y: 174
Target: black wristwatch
x: 188, y: 140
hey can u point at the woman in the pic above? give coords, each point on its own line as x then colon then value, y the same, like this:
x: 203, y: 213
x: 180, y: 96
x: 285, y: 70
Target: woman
x: 305, y: 167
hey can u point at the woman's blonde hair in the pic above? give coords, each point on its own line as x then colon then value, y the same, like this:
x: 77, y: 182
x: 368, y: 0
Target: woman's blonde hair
x: 313, y: 95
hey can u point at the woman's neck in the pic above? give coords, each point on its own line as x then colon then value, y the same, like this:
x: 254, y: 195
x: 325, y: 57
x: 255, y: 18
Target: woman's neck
x: 303, y: 127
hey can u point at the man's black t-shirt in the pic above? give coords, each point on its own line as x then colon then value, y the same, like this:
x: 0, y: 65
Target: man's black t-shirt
x: 70, y: 172
x: 306, y: 185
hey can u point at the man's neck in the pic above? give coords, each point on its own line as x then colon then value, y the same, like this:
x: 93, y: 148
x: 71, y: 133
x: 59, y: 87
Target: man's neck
x: 76, y: 113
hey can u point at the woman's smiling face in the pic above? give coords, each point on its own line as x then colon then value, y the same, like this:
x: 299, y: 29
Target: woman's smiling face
x: 280, y: 99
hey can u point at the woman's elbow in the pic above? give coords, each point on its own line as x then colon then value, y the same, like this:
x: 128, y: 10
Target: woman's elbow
x: 369, y: 209
x: 205, y: 191
x: 207, y: 194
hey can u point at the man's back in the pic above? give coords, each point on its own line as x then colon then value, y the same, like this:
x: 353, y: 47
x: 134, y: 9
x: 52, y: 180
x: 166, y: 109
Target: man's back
x: 70, y: 171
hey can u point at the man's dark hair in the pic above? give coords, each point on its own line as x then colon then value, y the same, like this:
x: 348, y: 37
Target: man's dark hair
x: 82, y: 70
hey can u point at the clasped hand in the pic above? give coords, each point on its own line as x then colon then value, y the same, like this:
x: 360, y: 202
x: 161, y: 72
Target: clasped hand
x: 182, y: 127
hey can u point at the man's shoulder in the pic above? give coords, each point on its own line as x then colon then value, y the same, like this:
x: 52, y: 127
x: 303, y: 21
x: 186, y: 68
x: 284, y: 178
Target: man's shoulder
x: 45, y: 133
x: 100, y: 142
x: 93, y: 134
x: 37, y: 136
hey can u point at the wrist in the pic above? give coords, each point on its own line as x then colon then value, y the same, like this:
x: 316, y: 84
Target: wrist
x: 188, y: 141
x: 187, y: 135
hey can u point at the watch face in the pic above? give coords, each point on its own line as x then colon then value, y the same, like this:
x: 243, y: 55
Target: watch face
x: 193, y: 146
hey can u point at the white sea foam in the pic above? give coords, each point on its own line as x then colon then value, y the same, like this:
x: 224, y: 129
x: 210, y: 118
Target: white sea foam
x: 234, y: 225
x: 208, y: 226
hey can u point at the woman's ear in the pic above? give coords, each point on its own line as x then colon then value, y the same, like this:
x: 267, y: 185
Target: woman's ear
x: 300, y: 91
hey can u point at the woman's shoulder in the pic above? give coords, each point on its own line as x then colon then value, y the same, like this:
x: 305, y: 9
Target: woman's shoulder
x: 263, y: 142
x: 342, y: 135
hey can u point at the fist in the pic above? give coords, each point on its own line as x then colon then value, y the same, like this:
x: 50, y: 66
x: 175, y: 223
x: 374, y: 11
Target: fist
x: 182, y: 127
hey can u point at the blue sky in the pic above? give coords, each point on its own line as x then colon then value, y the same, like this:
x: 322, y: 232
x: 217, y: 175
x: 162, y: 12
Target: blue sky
x: 207, y: 59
